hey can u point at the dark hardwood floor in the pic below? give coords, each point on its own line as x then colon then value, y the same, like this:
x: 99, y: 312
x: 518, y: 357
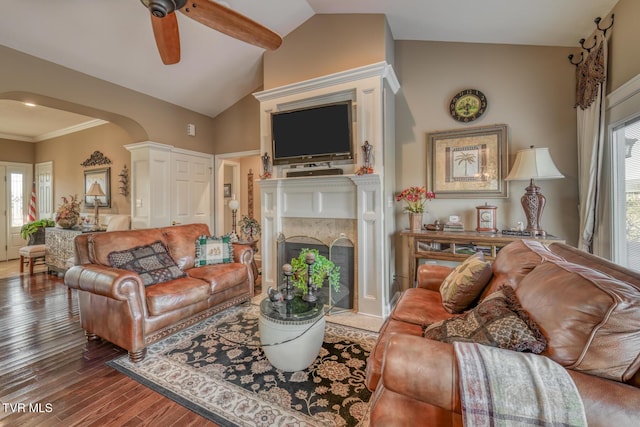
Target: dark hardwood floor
x: 51, y: 376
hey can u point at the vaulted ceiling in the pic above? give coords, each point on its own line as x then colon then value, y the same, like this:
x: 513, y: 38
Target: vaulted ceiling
x: 113, y: 40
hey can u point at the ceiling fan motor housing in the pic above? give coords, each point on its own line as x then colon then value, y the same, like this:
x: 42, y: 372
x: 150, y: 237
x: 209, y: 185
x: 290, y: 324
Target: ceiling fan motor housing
x: 161, y: 8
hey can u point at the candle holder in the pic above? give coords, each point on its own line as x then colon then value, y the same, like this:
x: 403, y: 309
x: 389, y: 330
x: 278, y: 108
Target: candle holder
x: 310, y: 296
x: 287, y: 291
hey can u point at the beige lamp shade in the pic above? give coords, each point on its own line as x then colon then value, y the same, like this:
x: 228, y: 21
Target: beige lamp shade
x: 95, y: 190
x: 533, y: 163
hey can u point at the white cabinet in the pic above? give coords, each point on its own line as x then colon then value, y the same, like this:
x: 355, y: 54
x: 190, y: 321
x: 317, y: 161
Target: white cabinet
x: 158, y: 173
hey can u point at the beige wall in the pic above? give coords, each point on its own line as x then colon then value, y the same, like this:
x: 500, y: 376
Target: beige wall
x: 326, y: 44
x: 238, y: 128
x: 624, y: 59
x: 69, y: 151
x: 529, y: 88
x: 144, y: 117
x: 16, y: 151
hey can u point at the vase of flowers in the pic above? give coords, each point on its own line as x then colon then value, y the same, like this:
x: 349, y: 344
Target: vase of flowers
x: 68, y: 212
x: 415, y: 199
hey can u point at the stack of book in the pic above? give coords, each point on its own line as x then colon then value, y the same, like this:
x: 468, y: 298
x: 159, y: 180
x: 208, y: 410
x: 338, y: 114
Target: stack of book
x: 453, y: 226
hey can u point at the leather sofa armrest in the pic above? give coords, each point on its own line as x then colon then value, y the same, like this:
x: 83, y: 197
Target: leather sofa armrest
x: 422, y: 369
x: 106, y: 281
x: 430, y: 276
x: 243, y: 254
x: 427, y: 370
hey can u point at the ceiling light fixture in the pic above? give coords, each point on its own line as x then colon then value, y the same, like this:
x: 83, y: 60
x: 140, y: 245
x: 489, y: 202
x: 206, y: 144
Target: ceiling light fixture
x: 29, y: 104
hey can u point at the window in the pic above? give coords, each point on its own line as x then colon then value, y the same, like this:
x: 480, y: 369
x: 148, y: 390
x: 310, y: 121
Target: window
x: 17, y: 199
x: 626, y: 143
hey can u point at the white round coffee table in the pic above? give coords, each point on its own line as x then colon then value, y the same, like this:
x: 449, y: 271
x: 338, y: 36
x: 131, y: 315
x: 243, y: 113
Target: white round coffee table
x: 291, y: 332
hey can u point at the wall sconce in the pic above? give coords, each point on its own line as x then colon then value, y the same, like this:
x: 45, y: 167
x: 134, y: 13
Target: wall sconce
x: 96, y: 191
x: 533, y: 163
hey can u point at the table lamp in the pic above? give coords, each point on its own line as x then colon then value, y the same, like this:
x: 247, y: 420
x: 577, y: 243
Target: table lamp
x: 234, y: 205
x: 533, y: 163
x: 96, y: 191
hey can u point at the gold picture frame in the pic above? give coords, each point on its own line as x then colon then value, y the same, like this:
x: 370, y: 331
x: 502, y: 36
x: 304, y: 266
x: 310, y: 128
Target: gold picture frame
x: 468, y: 163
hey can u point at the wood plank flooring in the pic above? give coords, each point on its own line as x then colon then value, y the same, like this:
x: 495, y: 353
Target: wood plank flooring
x: 51, y: 376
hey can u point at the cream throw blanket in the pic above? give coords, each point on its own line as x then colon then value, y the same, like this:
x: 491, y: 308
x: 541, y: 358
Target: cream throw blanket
x: 506, y: 388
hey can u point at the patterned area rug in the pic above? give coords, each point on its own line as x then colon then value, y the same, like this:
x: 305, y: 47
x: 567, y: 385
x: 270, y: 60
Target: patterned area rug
x: 217, y: 369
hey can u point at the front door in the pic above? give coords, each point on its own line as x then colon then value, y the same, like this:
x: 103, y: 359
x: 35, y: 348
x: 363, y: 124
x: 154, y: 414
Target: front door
x: 15, y: 196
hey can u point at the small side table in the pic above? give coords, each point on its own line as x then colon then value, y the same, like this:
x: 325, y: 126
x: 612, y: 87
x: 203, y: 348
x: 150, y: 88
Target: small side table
x: 291, y: 332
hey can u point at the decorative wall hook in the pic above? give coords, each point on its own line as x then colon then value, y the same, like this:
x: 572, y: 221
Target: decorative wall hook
x: 579, y: 62
x: 595, y: 41
x: 604, y: 30
x: 588, y: 49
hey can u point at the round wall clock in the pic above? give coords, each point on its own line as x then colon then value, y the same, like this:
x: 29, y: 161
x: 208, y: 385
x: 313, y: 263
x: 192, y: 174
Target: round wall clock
x: 468, y: 105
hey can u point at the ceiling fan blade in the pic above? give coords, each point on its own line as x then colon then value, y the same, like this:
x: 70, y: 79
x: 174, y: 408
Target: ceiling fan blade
x: 231, y: 23
x: 165, y: 31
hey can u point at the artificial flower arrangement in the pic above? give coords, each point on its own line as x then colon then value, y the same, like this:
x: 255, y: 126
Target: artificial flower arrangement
x: 68, y: 211
x: 415, y: 197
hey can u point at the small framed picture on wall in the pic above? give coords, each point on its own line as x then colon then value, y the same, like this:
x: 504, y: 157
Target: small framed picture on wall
x: 227, y: 190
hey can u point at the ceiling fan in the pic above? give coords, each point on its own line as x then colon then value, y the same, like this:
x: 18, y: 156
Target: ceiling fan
x: 207, y: 12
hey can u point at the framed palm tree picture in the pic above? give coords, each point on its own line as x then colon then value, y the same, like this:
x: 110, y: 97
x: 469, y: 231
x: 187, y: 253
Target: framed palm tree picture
x: 468, y: 163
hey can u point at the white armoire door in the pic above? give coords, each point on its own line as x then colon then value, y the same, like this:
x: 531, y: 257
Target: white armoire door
x: 191, y: 187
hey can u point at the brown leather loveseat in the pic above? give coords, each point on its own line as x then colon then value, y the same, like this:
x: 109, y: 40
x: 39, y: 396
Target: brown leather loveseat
x: 116, y: 305
x: 587, y: 308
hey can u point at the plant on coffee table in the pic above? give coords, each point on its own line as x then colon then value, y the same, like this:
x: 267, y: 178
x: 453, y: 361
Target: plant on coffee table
x: 323, y: 270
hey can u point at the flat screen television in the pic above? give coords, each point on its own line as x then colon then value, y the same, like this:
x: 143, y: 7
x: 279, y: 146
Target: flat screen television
x: 320, y: 133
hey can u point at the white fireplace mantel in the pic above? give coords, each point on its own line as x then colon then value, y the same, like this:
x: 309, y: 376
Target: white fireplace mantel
x: 365, y: 199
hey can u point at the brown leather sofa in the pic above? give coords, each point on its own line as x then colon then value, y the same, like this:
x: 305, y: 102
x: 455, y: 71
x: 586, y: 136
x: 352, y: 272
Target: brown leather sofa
x: 587, y: 308
x: 116, y: 306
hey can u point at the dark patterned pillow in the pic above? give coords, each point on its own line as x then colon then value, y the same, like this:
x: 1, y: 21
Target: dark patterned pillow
x: 152, y: 262
x: 498, y: 321
x: 213, y: 250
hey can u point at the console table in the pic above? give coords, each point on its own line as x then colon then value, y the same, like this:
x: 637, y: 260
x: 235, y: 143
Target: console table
x: 59, y: 246
x: 456, y: 246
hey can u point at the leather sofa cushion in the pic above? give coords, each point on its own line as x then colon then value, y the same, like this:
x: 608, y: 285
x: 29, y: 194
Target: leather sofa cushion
x: 220, y: 277
x: 102, y: 244
x: 168, y: 296
x: 515, y: 261
x: 420, y: 307
x: 181, y: 241
x: 591, y: 320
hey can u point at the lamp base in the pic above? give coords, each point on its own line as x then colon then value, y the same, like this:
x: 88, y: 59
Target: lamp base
x: 533, y: 203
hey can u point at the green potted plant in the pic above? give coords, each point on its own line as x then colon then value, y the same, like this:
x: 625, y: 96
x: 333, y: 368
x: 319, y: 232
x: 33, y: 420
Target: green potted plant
x: 250, y: 228
x: 323, y: 270
x: 29, y: 230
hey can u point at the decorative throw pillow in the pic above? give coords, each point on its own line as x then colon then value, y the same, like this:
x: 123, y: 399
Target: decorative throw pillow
x: 213, y: 250
x: 152, y: 262
x: 498, y: 321
x: 463, y: 285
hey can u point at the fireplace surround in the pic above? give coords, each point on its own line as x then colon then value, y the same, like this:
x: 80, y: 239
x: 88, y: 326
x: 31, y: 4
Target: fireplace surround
x: 326, y: 206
